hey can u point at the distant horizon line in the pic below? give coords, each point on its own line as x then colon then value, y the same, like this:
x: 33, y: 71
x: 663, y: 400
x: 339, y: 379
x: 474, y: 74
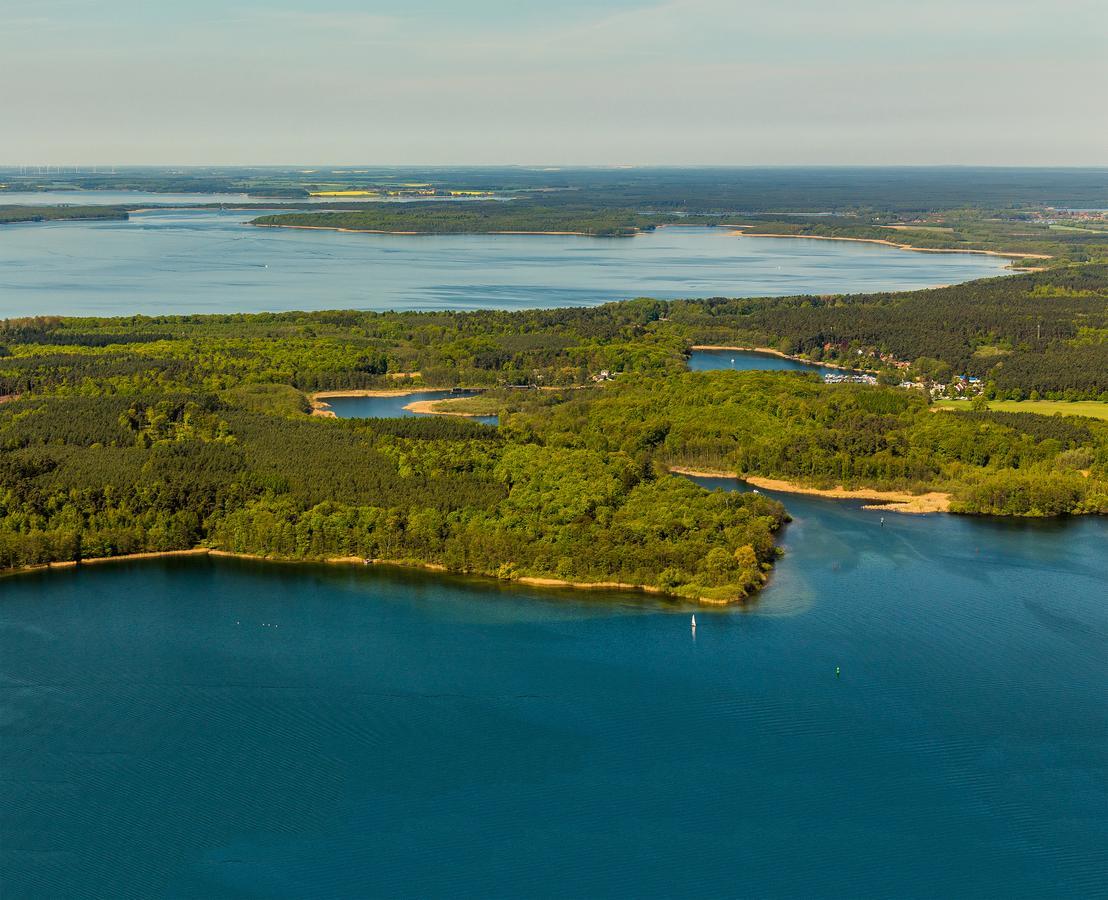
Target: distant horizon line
x: 66, y: 168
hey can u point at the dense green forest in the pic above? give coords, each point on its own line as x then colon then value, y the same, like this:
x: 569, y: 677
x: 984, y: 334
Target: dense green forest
x: 476, y: 217
x: 572, y: 486
x: 1042, y: 334
x: 13, y: 215
x: 793, y: 427
x: 98, y: 476
x: 1038, y: 335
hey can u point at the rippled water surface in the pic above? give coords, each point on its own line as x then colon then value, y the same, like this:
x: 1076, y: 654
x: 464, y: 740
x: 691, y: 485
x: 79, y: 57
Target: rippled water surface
x: 194, y: 728
x: 185, y: 261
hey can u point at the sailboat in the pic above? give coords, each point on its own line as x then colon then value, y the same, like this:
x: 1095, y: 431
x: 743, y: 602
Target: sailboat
x: 694, y: 623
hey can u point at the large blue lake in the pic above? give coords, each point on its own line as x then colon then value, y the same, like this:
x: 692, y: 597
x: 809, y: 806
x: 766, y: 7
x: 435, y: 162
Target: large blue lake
x: 204, y: 729
x: 204, y: 261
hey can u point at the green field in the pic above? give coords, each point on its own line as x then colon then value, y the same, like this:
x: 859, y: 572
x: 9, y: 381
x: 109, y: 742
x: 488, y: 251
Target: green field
x: 1096, y: 409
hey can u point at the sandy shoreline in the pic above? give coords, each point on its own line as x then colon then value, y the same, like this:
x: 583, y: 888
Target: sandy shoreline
x: 771, y: 352
x: 739, y: 230
x: 427, y: 408
x: 534, y: 581
x: 321, y: 408
x: 372, y: 392
x: 429, y: 233
x: 586, y: 585
x: 98, y: 560
x: 890, y: 501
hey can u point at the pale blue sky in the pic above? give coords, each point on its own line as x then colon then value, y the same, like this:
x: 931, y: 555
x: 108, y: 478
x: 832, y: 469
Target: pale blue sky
x: 1003, y: 82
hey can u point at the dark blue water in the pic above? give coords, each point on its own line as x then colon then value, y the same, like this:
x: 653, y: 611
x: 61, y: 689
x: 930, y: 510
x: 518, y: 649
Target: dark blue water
x: 196, y: 261
x: 393, y: 407
x: 746, y: 360
x: 197, y: 728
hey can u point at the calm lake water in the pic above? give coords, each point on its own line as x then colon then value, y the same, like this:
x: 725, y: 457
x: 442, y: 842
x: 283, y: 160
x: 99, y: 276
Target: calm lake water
x: 182, y: 261
x: 115, y: 198
x: 393, y: 407
x: 748, y: 360
x: 198, y: 728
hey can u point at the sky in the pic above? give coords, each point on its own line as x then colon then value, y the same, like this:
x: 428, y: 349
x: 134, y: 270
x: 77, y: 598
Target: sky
x: 558, y: 82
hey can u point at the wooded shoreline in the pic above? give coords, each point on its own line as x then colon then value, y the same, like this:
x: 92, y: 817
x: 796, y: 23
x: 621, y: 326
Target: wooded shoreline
x: 529, y: 580
x: 890, y: 501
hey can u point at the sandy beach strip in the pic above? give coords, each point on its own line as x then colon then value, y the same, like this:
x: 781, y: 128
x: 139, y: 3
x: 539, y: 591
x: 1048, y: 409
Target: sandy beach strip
x: 320, y: 406
x: 428, y: 407
x: 433, y: 234
x: 740, y: 231
x: 372, y: 392
x: 891, y: 501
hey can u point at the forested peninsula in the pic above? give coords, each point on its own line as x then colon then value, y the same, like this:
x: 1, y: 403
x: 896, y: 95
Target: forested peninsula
x: 476, y: 217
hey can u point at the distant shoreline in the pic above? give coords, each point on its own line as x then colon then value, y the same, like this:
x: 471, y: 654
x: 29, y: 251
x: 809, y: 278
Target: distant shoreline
x: 636, y: 231
x: 734, y: 229
x: 740, y: 231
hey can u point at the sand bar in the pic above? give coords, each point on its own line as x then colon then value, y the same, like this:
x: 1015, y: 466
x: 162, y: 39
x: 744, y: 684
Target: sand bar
x: 740, y: 231
x: 891, y: 501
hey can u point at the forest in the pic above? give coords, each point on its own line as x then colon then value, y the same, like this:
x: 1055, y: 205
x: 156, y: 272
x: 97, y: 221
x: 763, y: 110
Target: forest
x: 790, y: 426
x: 84, y: 477
x: 14, y: 215
x: 475, y: 217
x: 572, y: 486
x: 1042, y: 335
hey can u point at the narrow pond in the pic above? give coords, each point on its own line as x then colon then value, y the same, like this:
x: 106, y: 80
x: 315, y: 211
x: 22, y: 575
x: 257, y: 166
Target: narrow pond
x: 393, y: 406
x: 751, y: 360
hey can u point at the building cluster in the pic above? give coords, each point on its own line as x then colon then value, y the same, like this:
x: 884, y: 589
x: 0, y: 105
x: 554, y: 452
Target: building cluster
x: 1052, y: 216
x: 849, y: 378
x: 960, y: 386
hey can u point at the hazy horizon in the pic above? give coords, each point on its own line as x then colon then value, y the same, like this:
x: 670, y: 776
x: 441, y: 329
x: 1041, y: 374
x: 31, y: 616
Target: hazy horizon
x: 614, y: 82
x: 84, y: 168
